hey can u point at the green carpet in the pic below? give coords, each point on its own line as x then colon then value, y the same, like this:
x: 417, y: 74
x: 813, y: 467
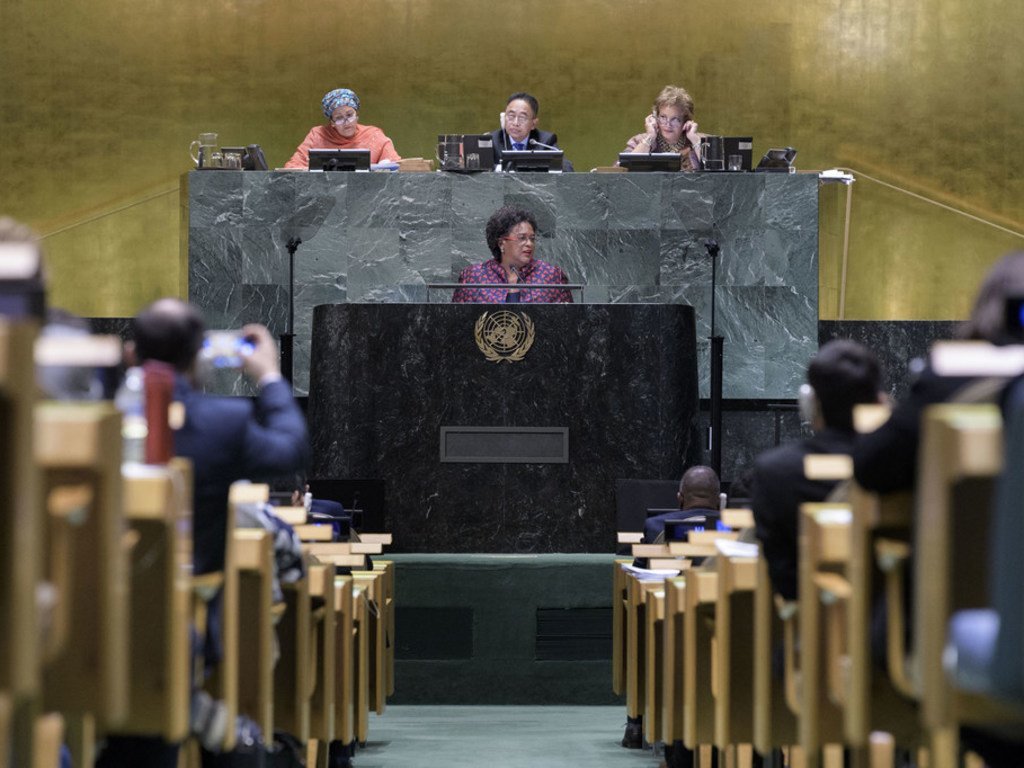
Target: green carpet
x: 437, y: 736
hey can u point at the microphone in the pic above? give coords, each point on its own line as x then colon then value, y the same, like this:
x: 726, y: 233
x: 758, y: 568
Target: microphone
x: 535, y: 143
x: 514, y: 293
x: 712, y: 247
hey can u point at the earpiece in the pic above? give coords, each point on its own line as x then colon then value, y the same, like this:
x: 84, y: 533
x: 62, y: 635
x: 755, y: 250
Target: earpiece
x: 807, y: 401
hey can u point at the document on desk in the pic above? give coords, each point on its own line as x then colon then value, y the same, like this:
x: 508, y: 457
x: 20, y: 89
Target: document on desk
x: 728, y: 548
x: 649, y: 574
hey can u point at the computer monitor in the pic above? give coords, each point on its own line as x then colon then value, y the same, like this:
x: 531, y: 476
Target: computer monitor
x: 650, y: 161
x: 532, y: 161
x: 339, y: 160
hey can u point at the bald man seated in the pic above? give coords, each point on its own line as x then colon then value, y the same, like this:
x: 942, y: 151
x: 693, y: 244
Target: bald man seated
x: 697, y: 495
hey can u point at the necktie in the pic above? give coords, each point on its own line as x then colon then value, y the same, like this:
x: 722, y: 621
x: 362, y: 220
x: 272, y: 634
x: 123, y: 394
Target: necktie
x: 518, y: 146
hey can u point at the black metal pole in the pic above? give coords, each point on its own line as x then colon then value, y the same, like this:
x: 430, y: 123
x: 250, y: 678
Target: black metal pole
x: 715, y: 428
x: 288, y: 337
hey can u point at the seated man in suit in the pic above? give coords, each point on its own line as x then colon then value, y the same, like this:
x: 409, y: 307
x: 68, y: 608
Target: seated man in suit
x: 842, y: 375
x: 519, y: 130
x: 698, y: 495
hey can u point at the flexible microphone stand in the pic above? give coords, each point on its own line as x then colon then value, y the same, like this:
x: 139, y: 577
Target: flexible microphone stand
x: 715, y: 428
x: 288, y: 337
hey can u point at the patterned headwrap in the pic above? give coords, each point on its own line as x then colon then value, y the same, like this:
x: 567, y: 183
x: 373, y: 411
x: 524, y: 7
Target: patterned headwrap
x: 339, y: 97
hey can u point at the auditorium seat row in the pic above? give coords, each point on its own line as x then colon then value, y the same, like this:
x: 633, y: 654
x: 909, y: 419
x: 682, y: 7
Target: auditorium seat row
x: 713, y: 658
x: 99, y: 606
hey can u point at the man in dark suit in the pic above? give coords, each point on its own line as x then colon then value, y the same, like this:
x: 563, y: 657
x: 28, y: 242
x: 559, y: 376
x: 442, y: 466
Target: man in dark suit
x: 697, y: 495
x: 842, y: 375
x: 228, y: 439
x: 519, y: 131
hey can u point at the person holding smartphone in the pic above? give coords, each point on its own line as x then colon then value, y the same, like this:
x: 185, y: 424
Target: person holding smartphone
x: 670, y: 127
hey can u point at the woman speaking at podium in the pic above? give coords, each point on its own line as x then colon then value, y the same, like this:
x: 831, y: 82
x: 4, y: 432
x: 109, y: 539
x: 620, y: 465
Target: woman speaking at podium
x: 512, y: 237
x: 343, y: 131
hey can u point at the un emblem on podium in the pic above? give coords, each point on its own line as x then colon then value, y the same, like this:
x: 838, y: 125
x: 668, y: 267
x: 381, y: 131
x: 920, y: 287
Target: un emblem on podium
x: 504, y: 335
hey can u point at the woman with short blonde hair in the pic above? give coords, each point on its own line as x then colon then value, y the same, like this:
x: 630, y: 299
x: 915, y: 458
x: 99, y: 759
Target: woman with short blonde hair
x: 670, y: 127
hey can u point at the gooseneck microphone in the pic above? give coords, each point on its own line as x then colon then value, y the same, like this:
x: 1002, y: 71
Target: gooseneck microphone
x: 542, y: 145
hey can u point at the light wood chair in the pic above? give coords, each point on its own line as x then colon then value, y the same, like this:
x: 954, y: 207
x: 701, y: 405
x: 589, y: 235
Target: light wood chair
x: 78, y: 448
x: 824, y: 554
x: 345, y: 685
x: 775, y: 706
x: 375, y: 628
x: 654, y: 617
x: 879, y: 553
x: 159, y: 520
x: 222, y: 684
x: 323, y: 700
x: 298, y: 671
x: 961, y: 453
x: 361, y: 661
x: 387, y: 569
x: 698, y: 654
x: 21, y: 541
x: 258, y: 614
x: 734, y: 628
x: 673, y: 660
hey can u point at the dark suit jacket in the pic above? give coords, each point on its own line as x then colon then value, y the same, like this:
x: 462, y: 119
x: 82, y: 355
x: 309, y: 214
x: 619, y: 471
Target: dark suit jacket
x: 502, y: 142
x: 885, y: 460
x: 656, y: 524
x: 231, y: 439
x: 779, y: 489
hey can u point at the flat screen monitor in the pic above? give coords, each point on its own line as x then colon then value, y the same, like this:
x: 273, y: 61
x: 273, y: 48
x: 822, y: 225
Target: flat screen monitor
x: 339, y: 159
x: 650, y: 161
x: 532, y: 161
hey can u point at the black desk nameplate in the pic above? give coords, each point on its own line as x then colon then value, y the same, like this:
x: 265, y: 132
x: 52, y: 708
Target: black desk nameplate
x: 505, y: 445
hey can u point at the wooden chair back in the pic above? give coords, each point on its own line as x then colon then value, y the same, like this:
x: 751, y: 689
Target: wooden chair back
x: 961, y: 453
x: 824, y: 555
x: 159, y: 520
x: 21, y: 530
x: 734, y: 628
x: 78, y: 449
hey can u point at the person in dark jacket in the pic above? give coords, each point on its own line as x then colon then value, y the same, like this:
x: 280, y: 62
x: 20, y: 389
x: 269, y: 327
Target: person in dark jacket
x: 842, y: 375
x: 519, y: 131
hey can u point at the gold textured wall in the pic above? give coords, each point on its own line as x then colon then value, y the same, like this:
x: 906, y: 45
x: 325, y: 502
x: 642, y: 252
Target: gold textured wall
x: 99, y: 100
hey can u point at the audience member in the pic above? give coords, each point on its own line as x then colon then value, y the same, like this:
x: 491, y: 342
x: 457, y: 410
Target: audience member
x: 842, y: 375
x: 698, y: 494
x: 886, y: 459
x: 227, y: 439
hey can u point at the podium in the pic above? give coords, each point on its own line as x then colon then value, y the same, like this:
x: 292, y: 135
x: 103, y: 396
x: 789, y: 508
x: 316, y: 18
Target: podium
x: 487, y: 443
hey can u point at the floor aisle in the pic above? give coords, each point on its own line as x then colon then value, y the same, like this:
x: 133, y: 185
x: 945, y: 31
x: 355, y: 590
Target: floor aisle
x: 500, y: 737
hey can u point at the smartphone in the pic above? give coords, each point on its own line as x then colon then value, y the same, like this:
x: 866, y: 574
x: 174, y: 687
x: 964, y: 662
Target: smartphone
x: 226, y: 349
